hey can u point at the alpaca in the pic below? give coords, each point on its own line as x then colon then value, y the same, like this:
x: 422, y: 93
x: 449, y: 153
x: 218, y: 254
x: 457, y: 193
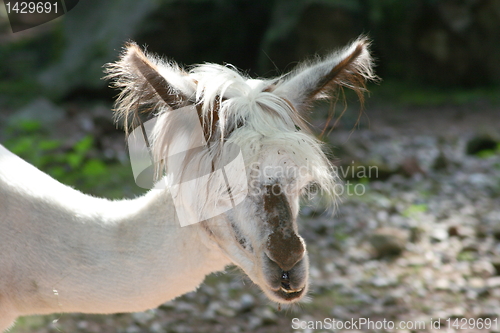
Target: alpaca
x: 64, y: 251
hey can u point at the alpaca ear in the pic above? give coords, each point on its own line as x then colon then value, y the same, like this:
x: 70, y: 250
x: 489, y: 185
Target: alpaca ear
x: 147, y: 83
x: 350, y: 67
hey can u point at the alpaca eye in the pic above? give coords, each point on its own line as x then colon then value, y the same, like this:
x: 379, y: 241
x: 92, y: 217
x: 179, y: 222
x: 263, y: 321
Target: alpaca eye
x: 312, y: 187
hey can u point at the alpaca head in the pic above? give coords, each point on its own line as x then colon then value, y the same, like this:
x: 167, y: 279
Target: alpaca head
x: 259, y: 126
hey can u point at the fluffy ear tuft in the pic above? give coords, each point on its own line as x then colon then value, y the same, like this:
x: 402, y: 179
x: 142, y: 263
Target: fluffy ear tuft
x: 350, y: 67
x: 147, y: 83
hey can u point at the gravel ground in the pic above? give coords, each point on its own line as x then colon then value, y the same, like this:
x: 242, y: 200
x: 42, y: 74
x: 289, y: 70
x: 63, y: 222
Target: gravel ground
x: 420, y: 245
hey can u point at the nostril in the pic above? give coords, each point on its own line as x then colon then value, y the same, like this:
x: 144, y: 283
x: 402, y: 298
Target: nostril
x: 285, y: 280
x: 285, y: 284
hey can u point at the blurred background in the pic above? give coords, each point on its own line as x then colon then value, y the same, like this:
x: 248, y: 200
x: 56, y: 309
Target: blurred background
x: 421, y: 241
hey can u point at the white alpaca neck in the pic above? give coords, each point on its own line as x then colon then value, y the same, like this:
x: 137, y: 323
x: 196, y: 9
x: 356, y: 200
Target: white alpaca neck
x: 92, y: 255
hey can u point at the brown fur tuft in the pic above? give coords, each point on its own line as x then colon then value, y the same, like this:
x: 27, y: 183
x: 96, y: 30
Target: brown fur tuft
x: 143, y: 88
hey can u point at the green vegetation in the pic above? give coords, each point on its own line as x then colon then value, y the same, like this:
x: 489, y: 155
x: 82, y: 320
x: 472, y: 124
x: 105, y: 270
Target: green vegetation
x: 415, y: 210
x: 487, y: 153
x: 466, y: 256
x: 79, y: 165
x: 48, y: 154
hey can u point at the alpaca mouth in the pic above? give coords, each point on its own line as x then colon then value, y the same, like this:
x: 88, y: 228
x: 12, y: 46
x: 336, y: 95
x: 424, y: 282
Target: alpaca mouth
x: 288, y: 294
x: 285, y: 286
x: 286, y: 289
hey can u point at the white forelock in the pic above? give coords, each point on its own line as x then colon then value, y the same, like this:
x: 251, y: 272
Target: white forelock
x: 256, y: 120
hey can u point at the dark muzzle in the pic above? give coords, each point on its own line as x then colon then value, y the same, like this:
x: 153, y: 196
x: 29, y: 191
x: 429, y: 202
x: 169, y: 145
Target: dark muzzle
x: 284, y: 246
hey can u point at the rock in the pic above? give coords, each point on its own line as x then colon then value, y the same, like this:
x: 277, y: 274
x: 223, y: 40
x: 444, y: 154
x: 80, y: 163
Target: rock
x: 442, y: 284
x: 156, y: 327
x: 471, y: 294
x: 461, y: 231
x: 381, y: 281
x: 247, y: 302
x: 476, y: 283
x: 453, y: 231
x: 416, y: 260
x: 226, y: 312
x: 388, y: 241
x: 411, y: 166
x: 439, y: 234
x: 183, y: 306
x: 340, y: 312
x: 483, y: 268
x: 210, y: 312
x: 208, y: 290
x: 496, y: 263
x: 143, y: 317
x: 254, y: 322
x: 488, y: 313
x: 382, y: 216
x: 234, y: 329
x: 416, y: 234
x: 495, y: 293
x: 133, y: 329
x: 82, y: 325
x: 493, y: 282
x: 457, y: 312
x: 268, y: 316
